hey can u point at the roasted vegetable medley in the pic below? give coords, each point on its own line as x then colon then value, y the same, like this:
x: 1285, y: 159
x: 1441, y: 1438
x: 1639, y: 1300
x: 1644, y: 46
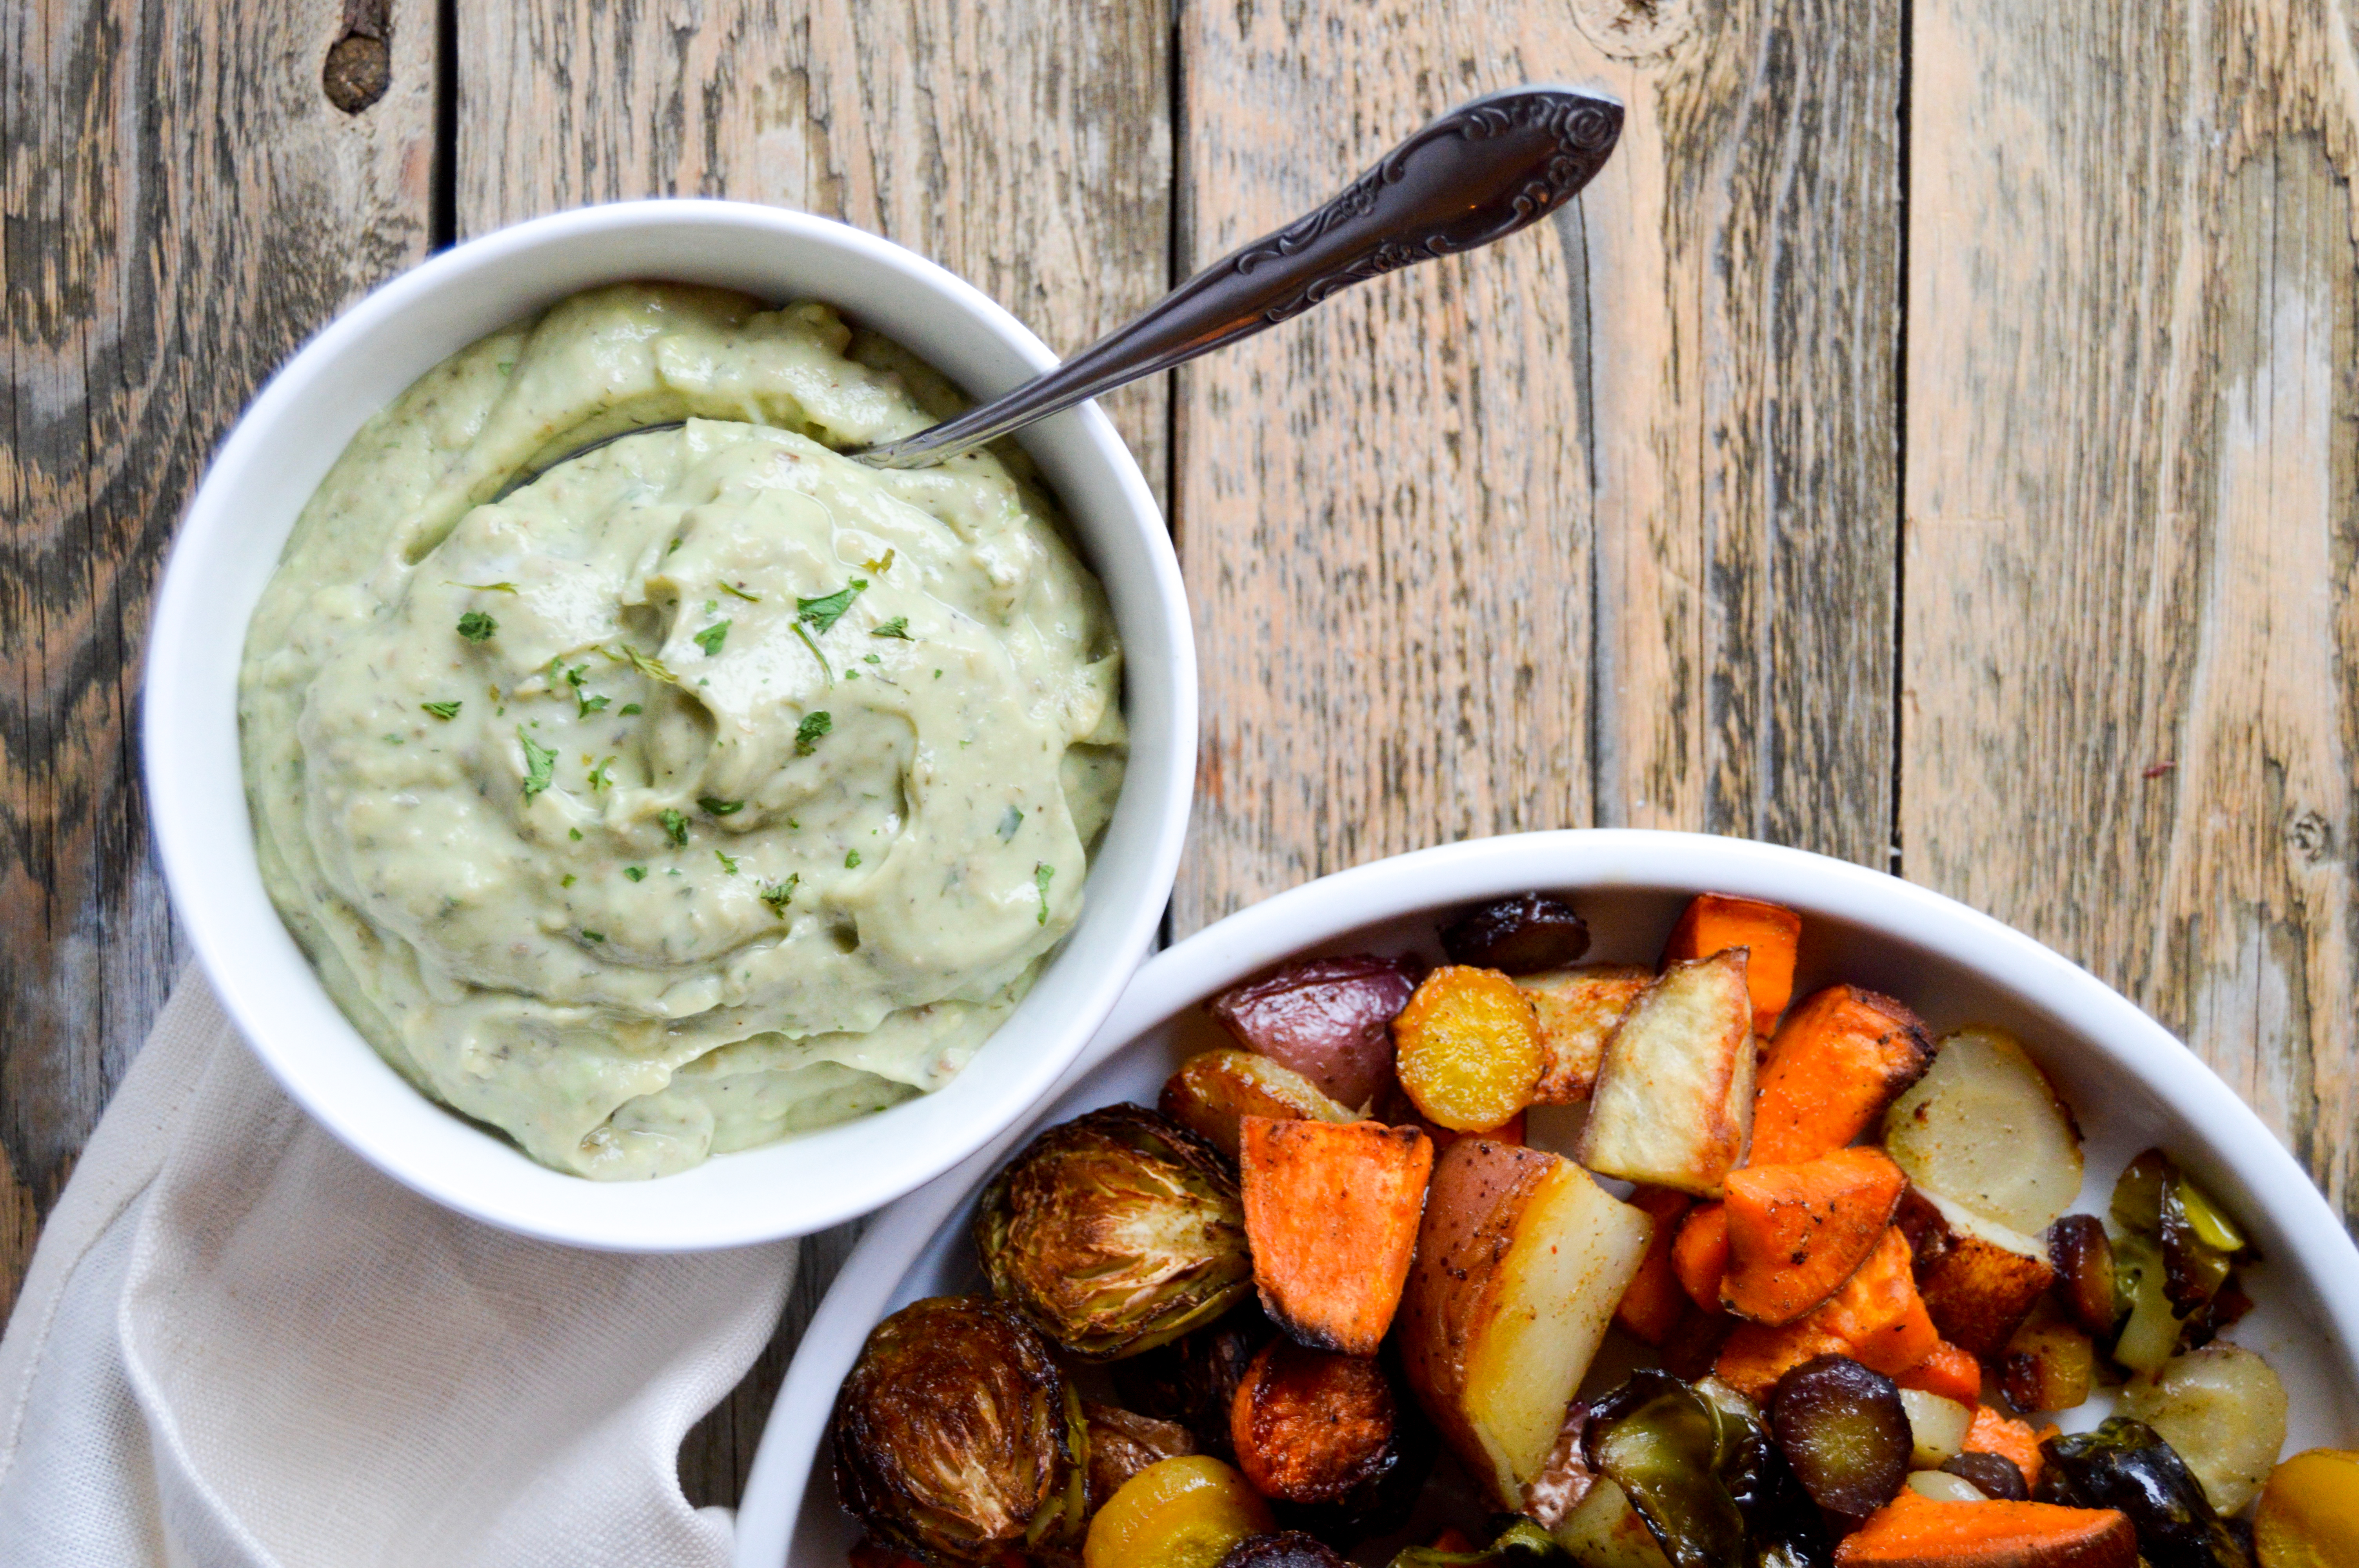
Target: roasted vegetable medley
x: 1324, y: 1304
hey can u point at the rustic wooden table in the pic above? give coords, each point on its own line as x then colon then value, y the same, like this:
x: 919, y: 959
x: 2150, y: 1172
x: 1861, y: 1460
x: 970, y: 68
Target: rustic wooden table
x: 1934, y: 440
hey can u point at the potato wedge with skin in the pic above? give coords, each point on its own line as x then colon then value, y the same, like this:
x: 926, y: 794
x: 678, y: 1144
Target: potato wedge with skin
x: 1520, y: 1262
x: 1769, y: 934
x: 1673, y: 1106
x: 1984, y: 1129
x: 1325, y: 1018
x: 1578, y: 1009
x: 1977, y: 1290
x: 1332, y: 1215
x: 1214, y: 1090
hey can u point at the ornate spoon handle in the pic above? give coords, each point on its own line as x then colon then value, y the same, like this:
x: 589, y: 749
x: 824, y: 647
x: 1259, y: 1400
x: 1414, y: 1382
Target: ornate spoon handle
x: 1477, y: 174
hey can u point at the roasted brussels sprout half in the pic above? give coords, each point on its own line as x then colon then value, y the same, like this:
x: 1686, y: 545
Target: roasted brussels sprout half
x: 1285, y: 1549
x: 1519, y: 1543
x: 2125, y: 1466
x: 1659, y: 1441
x: 1193, y: 1380
x: 1846, y: 1433
x: 1518, y: 935
x: 1995, y: 1475
x: 956, y: 1438
x: 1115, y: 1232
x: 1781, y: 1521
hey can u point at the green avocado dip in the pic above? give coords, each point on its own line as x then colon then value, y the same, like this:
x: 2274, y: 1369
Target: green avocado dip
x: 710, y: 787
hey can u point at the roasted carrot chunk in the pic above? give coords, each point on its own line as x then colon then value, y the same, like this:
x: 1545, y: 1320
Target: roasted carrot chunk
x: 1876, y: 1319
x: 1653, y: 1301
x: 1950, y: 1372
x: 1916, y: 1531
x: 1770, y: 933
x: 1797, y: 1232
x: 1993, y: 1432
x: 1332, y: 1215
x: 1311, y: 1426
x: 1468, y: 1048
x: 1839, y: 1059
x: 1699, y: 1255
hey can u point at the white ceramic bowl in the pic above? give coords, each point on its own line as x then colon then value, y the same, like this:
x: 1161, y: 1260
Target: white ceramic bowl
x: 229, y: 543
x: 2132, y: 1084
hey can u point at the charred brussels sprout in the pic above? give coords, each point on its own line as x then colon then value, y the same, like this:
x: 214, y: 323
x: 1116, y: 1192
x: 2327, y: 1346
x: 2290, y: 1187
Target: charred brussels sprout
x: 1193, y: 1380
x: 2125, y: 1466
x: 1115, y: 1232
x: 1659, y: 1440
x: 1520, y: 1543
x: 1781, y: 1521
x: 957, y: 1438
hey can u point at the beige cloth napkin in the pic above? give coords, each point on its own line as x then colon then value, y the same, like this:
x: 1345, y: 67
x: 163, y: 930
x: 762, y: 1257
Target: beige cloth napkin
x: 239, y: 1346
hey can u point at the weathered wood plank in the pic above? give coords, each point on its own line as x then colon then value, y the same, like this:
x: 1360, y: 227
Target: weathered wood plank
x: 1026, y: 149
x: 184, y: 207
x: 1594, y: 527
x: 2132, y: 715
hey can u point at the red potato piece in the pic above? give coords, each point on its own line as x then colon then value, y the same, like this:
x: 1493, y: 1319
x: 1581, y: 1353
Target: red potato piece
x: 1797, y: 1232
x: 1673, y: 1106
x: 1331, y: 1217
x: 1770, y: 935
x: 1577, y: 1009
x: 1326, y: 1019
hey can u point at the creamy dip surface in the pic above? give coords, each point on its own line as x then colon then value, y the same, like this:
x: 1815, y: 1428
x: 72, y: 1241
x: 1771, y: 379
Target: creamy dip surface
x: 711, y: 785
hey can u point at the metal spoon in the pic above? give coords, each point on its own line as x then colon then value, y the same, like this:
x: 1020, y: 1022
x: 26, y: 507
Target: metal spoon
x: 1477, y: 174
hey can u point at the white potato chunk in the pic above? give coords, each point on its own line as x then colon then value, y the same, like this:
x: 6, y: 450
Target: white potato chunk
x: 2224, y: 1411
x: 1673, y: 1105
x: 1937, y: 1428
x: 1606, y: 1532
x: 1984, y: 1129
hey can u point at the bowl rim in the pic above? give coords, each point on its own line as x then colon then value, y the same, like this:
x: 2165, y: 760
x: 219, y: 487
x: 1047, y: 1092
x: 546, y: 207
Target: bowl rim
x: 1303, y: 917
x: 179, y: 740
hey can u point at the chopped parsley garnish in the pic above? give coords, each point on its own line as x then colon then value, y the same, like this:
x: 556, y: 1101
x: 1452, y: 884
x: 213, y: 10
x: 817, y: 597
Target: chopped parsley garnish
x: 566, y: 881
x: 1040, y: 875
x: 712, y: 637
x: 628, y: 708
x: 809, y: 732
x: 445, y: 710
x: 590, y: 705
x: 825, y: 611
x: 593, y: 936
x: 897, y: 627
x: 851, y: 860
x: 778, y: 895
x: 487, y: 587
x: 652, y: 668
x: 728, y: 862
x: 735, y: 591
x: 880, y: 568
x: 477, y: 627
x: 540, y: 764
x: 719, y: 807
x: 636, y: 873
x: 1009, y: 824
x: 872, y: 658
x: 599, y: 777
x: 824, y: 668
x: 674, y: 824
x: 574, y: 834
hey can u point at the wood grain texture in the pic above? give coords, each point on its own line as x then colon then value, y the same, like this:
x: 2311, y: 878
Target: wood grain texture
x: 2131, y: 721
x: 184, y: 207
x: 1596, y: 526
x: 1026, y: 148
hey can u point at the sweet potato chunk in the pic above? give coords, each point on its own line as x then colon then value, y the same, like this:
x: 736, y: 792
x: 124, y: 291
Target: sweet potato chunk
x: 1653, y: 1304
x: 1876, y: 1319
x: 1950, y: 1372
x: 1769, y: 934
x: 1578, y: 1009
x: 1837, y: 1062
x: 1916, y: 1531
x: 1325, y: 1018
x: 1699, y: 1255
x: 1468, y: 1048
x: 1992, y: 1432
x: 1979, y: 1293
x: 1673, y: 1106
x: 1311, y: 1426
x: 1214, y: 1089
x: 1332, y: 1215
x: 1797, y: 1232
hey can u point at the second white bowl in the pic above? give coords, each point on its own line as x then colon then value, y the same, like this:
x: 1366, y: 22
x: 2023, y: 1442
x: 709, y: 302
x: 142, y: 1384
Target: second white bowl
x: 229, y: 543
